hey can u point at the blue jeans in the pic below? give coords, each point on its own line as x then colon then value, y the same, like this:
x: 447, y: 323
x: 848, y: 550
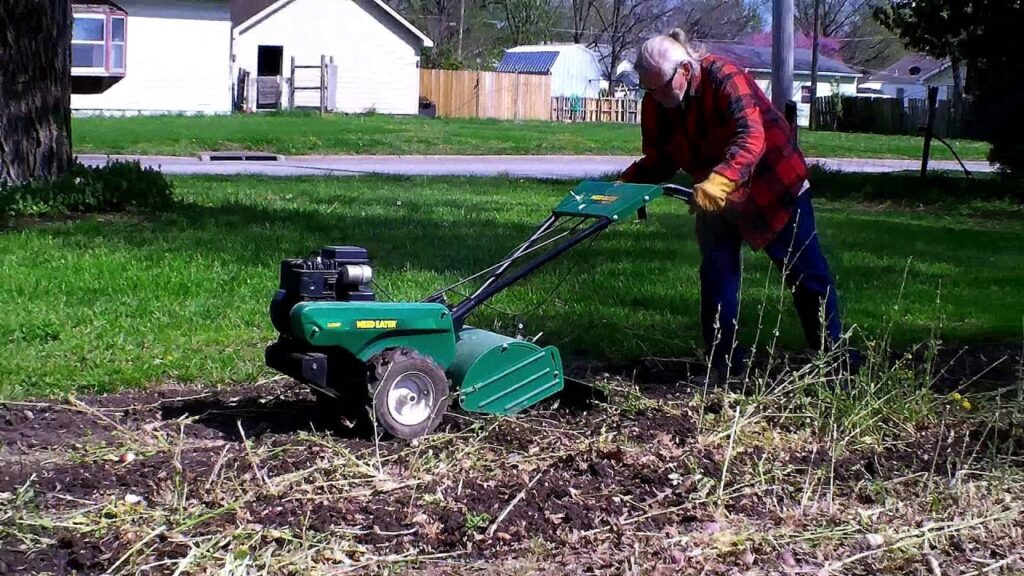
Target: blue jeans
x: 795, y: 251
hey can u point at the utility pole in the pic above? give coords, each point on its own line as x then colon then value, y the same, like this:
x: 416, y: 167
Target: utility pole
x: 814, y: 65
x: 782, y: 53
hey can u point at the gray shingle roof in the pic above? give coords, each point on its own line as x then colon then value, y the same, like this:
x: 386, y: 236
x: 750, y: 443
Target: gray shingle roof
x: 760, y: 58
x: 903, y: 70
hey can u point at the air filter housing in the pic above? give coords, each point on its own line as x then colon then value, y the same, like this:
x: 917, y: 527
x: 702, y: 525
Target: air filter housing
x: 336, y: 273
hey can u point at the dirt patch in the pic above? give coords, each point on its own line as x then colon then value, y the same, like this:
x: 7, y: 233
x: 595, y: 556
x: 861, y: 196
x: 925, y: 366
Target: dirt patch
x: 977, y: 367
x: 576, y: 483
x: 68, y: 555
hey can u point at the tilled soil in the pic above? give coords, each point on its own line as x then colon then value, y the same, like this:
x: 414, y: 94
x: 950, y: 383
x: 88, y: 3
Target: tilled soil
x: 648, y: 482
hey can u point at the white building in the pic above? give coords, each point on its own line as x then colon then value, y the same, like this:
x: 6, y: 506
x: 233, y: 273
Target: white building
x: 910, y: 77
x: 376, y: 52
x: 573, y: 68
x: 833, y: 76
x: 151, y: 57
x: 186, y: 56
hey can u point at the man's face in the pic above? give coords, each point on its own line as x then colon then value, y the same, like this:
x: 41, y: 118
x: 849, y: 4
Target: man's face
x: 667, y: 90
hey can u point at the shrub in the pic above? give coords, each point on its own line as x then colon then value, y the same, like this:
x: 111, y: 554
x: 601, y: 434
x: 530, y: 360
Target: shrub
x: 118, y: 186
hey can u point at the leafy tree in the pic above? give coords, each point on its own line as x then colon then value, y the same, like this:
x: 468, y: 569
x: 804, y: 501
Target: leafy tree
x: 528, y: 21
x: 465, y: 32
x: 983, y: 35
x: 933, y: 28
x: 992, y: 52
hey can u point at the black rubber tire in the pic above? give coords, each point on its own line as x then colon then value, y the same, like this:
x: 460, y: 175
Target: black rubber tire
x: 386, y: 370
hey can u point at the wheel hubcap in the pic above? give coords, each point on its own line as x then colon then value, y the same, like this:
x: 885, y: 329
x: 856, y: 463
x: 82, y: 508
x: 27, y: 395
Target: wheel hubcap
x: 411, y: 399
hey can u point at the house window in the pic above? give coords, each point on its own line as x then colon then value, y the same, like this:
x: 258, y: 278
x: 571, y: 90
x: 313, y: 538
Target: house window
x: 88, y: 42
x: 98, y: 44
x: 805, y: 95
x: 117, y: 43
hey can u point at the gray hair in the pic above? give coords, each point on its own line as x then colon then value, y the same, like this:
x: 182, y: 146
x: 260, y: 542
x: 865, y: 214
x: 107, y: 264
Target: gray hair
x: 667, y: 52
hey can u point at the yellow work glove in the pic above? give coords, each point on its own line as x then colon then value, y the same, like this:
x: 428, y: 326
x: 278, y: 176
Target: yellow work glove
x: 710, y: 194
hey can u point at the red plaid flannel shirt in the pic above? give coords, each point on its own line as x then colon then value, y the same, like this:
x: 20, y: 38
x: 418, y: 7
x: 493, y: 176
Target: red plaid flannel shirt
x: 726, y: 125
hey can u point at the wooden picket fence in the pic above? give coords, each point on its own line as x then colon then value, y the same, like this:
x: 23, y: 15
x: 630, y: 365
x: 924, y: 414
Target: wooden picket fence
x: 478, y: 94
x: 576, y: 109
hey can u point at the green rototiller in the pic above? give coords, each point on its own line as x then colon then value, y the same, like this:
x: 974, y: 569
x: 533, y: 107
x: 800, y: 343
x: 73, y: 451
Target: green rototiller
x: 401, y: 363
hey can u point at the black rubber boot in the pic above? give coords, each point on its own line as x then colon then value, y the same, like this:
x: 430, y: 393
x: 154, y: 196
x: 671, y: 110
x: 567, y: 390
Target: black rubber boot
x: 724, y: 368
x: 809, y: 309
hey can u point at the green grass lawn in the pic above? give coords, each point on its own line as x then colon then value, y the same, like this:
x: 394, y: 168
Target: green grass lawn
x: 378, y: 134
x: 117, y: 301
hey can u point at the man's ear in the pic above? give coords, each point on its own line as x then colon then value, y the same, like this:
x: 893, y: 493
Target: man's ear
x: 688, y: 69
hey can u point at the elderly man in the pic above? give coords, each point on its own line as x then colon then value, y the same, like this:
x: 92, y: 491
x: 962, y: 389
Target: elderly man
x: 704, y: 115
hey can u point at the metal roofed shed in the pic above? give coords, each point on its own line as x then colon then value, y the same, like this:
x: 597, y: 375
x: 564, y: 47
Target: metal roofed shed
x: 573, y: 68
x: 527, y: 62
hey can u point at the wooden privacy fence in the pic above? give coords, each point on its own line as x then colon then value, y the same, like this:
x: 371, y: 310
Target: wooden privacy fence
x: 477, y: 94
x: 891, y: 116
x: 576, y: 109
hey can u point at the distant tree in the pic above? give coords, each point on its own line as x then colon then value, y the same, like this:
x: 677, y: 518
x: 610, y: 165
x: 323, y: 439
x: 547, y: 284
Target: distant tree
x: 623, y: 24
x: 718, y: 19
x: 439, y: 20
x: 582, y: 12
x: 870, y: 45
x: 937, y: 28
x: 836, y: 17
x: 528, y: 21
x: 35, y: 89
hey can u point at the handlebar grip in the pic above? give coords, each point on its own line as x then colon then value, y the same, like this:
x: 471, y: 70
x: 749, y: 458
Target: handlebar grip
x: 677, y: 191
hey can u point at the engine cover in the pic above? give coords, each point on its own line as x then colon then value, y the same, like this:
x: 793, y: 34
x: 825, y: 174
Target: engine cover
x: 336, y: 273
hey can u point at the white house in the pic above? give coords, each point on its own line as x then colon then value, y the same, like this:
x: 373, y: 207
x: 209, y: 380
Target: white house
x: 185, y: 56
x: 833, y: 76
x: 151, y: 57
x: 573, y: 68
x: 910, y: 77
x: 375, y: 50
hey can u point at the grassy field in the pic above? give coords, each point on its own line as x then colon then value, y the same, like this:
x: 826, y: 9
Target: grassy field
x: 108, y: 302
x: 309, y: 134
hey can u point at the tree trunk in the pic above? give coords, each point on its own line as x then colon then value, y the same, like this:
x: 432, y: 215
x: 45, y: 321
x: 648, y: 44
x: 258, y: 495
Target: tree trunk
x: 35, y: 89
x: 812, y: 123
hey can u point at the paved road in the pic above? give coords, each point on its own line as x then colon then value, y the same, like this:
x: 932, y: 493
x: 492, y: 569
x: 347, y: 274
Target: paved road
x: 563, y: 167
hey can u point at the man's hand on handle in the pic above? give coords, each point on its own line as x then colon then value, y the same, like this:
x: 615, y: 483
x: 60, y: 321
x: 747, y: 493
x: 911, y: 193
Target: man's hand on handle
x: 710, y: 194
